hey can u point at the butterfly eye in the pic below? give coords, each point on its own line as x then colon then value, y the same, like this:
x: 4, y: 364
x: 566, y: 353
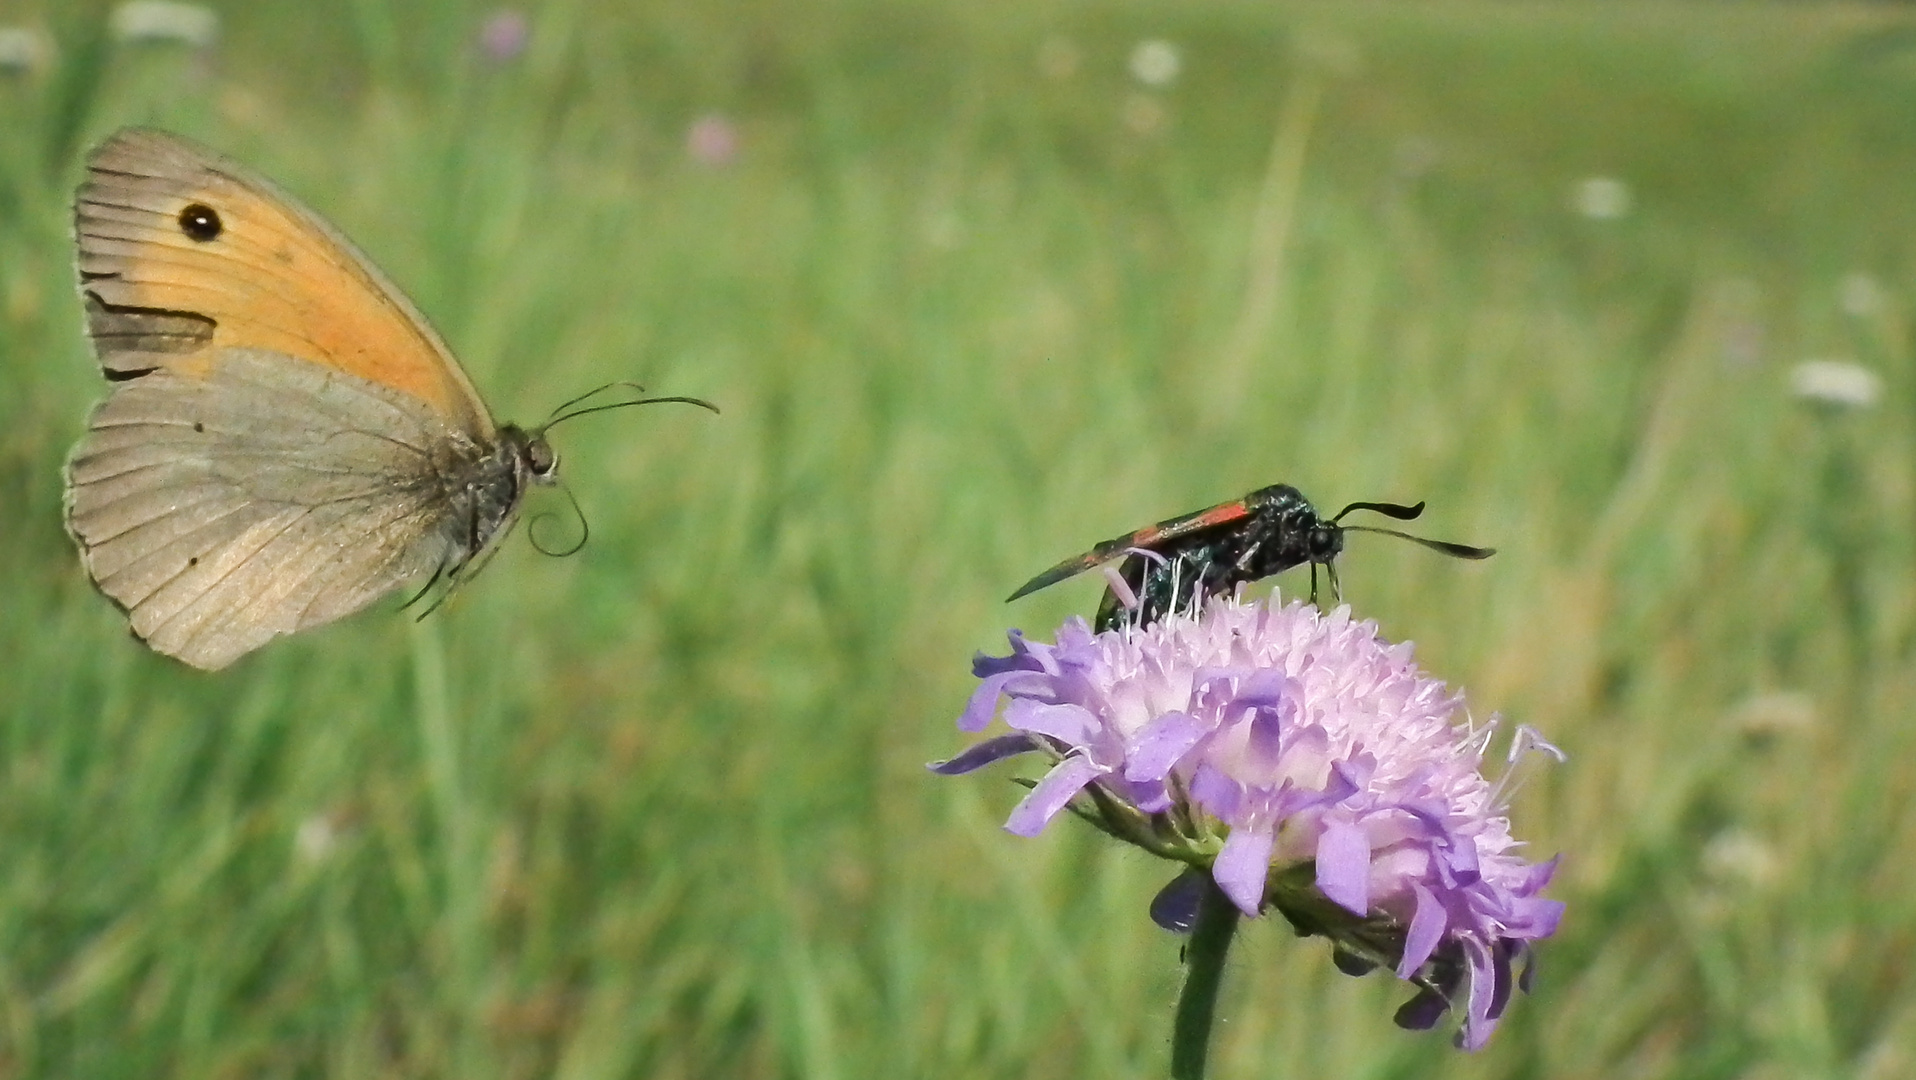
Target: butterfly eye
x: 540, y: 458
x: 200, y: 222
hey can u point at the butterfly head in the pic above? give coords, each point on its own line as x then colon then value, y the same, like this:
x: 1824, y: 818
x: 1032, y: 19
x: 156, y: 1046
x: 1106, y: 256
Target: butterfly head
x: 540, y: 459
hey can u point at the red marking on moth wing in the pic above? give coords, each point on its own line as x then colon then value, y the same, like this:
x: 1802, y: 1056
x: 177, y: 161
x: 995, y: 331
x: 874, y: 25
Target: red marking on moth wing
x: 1219, y: 515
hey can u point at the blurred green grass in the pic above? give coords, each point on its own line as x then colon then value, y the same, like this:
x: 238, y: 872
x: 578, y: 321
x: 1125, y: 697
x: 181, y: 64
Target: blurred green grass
x: 972, y: 298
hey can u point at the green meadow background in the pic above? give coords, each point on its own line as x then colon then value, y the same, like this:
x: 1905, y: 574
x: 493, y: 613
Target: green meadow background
x: 973, y: 296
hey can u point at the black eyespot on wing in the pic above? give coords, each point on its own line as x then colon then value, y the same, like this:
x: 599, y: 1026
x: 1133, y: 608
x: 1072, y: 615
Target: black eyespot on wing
x: 200, y: 222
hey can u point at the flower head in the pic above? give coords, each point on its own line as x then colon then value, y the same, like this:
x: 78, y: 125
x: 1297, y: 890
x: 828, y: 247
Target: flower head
x: 1156, y: 63
x: 166, y: 22
x: 1601, y: 198
x: 1836, y: 384
x: 1302, y: 761
x: 23, y: 51
x: 504, y: 35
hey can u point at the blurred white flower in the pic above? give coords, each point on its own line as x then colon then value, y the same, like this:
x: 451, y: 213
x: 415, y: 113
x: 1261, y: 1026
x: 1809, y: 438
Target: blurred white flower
x: 317, y: 837
x: 1059, y: 58
x: 1601, y: 198
x: 1736, y: 856
x: 1860, y: 295
x: 1841, y: 384
x: 166, y: 22
x: 22, y: 51
x: 1156, y: 62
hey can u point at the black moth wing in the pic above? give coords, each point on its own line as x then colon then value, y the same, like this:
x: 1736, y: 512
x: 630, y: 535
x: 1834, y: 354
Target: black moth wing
x: 1150, y: 538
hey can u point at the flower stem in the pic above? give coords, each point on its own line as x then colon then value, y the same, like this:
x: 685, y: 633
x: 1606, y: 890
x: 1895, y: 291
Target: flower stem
x: 1197, y: 1005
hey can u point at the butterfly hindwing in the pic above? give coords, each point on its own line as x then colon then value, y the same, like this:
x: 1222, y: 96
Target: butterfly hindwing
x: 261, y: 497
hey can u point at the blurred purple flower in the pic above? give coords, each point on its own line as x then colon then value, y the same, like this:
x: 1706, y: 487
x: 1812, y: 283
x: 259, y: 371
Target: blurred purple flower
x: 504, y: 35
x: 712, y: 140
x: 1302, y: 761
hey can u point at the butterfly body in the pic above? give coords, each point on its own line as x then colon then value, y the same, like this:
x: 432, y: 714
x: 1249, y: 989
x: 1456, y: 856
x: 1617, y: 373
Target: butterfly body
x: 1174, y: 565
x: 285, y: 439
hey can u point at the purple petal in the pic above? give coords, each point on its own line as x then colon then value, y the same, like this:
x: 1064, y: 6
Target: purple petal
x: 1426, y: 930
x: 1537, y: 918
x: 1216, y: 792
x: 1159, y: 744
x: 1175, y: 906
x: 1242, y: 866
x: 1478, y: 1023
x: 1065, y: 780
x: 1500, y: 962
x: 1536, y: 877
x: 1343, y: 866
x: 984, y: 701
x: 1071, y: 724
x: 1461, y: 857
x: 1353, y: 774
x: 1265, y: 740
x: 983, y: 754
x: 984, y: 665
x: 1268, y: 688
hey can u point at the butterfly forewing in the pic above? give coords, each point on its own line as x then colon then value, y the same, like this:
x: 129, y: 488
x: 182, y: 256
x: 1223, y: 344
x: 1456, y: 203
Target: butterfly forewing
x: 270, y: 274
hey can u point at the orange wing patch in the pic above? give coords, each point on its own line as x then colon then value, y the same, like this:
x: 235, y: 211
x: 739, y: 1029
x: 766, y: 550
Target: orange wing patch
x: 183, y: 254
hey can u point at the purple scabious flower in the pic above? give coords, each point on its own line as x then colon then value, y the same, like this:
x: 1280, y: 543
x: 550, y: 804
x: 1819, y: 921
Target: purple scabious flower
x: 1302, y: 761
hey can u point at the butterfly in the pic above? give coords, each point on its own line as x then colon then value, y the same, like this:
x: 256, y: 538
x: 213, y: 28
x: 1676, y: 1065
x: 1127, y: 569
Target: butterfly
x: 285, y: 439
x: 1173, y: 565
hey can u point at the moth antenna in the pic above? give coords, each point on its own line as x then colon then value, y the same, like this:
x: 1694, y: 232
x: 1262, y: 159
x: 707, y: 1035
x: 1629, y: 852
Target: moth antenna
x: 1390, y: 510
x: 1456, y: 551
x: 585, y: 528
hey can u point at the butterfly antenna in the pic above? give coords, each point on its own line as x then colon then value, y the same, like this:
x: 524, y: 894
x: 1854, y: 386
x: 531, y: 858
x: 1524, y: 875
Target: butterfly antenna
x: 590, y: 409
x: 585, y: 528
x: 590, y: 394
